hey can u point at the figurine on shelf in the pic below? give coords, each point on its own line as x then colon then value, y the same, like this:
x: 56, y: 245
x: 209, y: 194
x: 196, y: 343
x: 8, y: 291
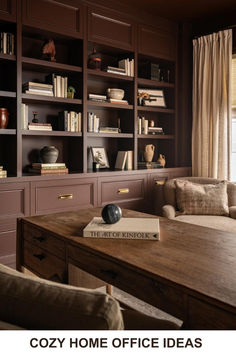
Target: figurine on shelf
x: 35, y: 119
x: 70, y: 92
x: 94, y: 60
x: 161, y: 160
x: 49, y: 50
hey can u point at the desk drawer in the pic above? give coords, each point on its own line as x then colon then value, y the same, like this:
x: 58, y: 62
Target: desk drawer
x: 114, y: 189
x: 14, y: 199
x: 53, y: 196
x: 42, y: 240
x: 44, y: 263
x: 127, y: 278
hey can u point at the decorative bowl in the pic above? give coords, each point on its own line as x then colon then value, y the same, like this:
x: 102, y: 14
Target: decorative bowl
x: 115, y: 93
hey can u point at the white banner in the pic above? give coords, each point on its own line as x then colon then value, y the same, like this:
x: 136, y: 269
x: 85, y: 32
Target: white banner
x: 125, y: 342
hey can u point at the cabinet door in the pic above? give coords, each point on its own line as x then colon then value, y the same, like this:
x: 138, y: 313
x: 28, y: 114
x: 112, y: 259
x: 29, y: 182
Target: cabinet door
x: 8, y: 10
x: 109, y: 28
x: 157, y: 43
x: 63, y: 17
x: 14, y: 202
x: 126, y: 191
x: 69, y: 194
x: 155, y: 189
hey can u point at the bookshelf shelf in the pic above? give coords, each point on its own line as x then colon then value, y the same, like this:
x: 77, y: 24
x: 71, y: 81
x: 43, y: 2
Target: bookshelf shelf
x: 154, y: 83
x: 155, y: 109
x: 36, y: 98
x: 10, y: 94
x: 7, y: 57
x: 42, y: 65
x: 110, y: 76
x: 50, y: 133
x: 110, y: 135
x: 7, y: 131
x: 108, y: 105
x: 157, y: 136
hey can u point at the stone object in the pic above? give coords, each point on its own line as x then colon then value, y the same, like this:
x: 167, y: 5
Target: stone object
x: 111, y: 213
x: 149, y: 152
x: 49, y: 154
x: 3, y: 118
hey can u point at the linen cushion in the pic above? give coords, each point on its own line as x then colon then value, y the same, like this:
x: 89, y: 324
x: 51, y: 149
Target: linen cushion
x: 34, y: 303
x: 202, y: 199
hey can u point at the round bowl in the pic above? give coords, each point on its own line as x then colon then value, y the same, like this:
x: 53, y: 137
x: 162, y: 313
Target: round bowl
x: 115, y: 93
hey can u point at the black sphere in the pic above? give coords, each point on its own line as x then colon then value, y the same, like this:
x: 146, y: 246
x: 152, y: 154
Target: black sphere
x: 111, y: 213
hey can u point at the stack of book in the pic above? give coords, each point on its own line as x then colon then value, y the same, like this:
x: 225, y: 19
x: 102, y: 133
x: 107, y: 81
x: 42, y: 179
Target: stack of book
x: 155, y: 130
x: 148, y: 165
x: 49, y: 168
x: 59, y: 84
x: 7, y: 43
x: 114, y: 100
x: 115, y: 70
x: 108, y: 130
x: 3, y: 173
x: 142, y: 125
x: 40, y: 126
x: 93, y: 123
x: 97, y: 98
x: 37, y: 88
x: 70, y: 121
x: 124, y: 160
x: 127, y: 65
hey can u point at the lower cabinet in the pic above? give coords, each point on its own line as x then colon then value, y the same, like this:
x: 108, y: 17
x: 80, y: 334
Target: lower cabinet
x: 14, y: 203
x: 128, y: 191
x: 55, y: 196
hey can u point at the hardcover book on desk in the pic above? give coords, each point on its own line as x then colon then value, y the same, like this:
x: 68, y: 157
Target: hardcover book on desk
x: 126, y: 228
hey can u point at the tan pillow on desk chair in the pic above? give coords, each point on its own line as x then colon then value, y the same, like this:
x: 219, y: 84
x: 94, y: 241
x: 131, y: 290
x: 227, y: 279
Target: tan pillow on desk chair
x: 202, y: 199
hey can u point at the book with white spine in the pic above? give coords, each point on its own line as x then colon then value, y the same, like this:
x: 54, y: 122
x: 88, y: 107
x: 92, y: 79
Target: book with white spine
x: 125, y: 228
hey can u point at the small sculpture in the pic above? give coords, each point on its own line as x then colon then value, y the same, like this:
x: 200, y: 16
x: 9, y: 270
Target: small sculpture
x: 94, y: 60
x: 35, y: 119
x: 149, y: 152
x: 111, y: 213
x: 161, y: 160
x: 70, y: 92
x: 49, y: 50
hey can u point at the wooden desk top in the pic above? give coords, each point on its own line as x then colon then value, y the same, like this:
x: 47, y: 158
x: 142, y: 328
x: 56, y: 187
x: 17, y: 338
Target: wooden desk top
x: 197, y: 260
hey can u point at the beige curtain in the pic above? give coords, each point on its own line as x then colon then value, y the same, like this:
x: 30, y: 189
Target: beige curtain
x: 211, y: 132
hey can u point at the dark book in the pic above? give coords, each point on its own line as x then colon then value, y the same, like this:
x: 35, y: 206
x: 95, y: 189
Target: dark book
x: 62, y: 121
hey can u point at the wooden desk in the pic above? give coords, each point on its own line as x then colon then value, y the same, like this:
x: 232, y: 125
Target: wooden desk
x: 190, y: 273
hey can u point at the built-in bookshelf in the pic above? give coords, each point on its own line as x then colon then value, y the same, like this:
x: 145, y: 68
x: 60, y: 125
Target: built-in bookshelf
x: 122, y: 66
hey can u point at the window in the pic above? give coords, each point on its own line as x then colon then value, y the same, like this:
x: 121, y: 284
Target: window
x: 233, y: 156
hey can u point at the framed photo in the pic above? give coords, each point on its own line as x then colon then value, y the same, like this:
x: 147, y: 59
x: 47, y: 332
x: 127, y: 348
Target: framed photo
x: 152, y: 98
x: 100, y: 156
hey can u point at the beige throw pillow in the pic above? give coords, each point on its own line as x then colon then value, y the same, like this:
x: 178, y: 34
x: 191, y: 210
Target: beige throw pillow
x: 202, y: 199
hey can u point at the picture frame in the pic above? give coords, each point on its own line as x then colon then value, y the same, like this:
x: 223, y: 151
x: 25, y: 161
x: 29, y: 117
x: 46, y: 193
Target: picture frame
x: 152, y: 98
x: 99, y: 155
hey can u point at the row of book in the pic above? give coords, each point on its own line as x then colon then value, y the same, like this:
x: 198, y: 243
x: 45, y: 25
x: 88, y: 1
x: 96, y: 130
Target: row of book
x: 49, y: 168
x: 125, y: 67
x: 93, y: 122
x: 143, y: 127
x: 3, y: 173
x: 70, y: 121
x: 124, y: 160
x: 7, y: 43
x: 59, y: 84
x: 103, y: 98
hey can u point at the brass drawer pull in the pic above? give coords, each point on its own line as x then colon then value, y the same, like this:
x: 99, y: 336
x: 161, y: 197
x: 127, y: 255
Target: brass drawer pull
x: 65, y: 196
x: 123, y: 191
x: 40, y: 256
x: 160, y: 182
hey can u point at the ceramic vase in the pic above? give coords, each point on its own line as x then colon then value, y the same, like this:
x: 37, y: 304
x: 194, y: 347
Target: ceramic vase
x: 3, y: 118
x: 49, y: 154
x: 149, y: 152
